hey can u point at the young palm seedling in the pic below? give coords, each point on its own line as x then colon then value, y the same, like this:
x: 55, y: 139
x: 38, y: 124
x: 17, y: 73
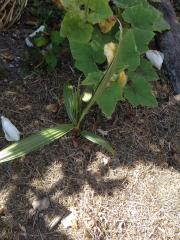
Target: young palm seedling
x: 128, y: 75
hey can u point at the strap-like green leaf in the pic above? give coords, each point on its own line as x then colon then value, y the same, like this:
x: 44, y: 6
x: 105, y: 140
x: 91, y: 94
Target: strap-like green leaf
x: 72, y: 102
x: 34, y: 142
x: 98, y: 140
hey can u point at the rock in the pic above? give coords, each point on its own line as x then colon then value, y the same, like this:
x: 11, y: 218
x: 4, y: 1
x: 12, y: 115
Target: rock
x: 69, y: 220
x: 40, y: 205
x: 52, y: 108
x: 12, y: 134
x: 156, y: 58
x: 177, y: 97
x: 102, y: 132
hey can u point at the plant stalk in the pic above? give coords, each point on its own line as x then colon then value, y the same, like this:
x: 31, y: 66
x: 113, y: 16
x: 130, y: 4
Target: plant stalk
x: 103, y: 83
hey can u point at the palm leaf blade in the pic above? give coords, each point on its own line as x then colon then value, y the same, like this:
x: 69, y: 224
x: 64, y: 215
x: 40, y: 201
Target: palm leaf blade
x: 98, y: 140
x: 34, y: 142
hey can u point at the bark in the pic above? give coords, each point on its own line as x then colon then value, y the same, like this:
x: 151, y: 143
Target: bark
x: 169, y: 43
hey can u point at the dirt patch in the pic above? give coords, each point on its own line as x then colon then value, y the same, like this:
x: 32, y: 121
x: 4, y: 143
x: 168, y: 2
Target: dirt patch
x: 135, y: 195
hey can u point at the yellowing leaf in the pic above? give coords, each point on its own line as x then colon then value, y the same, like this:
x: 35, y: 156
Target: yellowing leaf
x: 109, y: 51
x: 106, y: 25
x: 122, y: 79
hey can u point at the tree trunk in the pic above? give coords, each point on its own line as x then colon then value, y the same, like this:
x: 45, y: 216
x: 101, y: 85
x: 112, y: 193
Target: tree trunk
x: 169, y: 43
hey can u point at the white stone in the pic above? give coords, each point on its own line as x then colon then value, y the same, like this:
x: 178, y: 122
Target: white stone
x: 69, y: 221
x: 12, y: 134
x: 155, y: 57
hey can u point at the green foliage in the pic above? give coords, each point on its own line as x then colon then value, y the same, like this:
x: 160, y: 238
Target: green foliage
x: 139, y: 92
x: 47, y: 45
x: 124, y: 75
x: 98, y: 10
x: 34, y: 142
x: 109, y: 98
x: 142, y: 21
x: 84, y: 57
x: 73, y: 104
x: 75, y: 28
x: 98, y: 140
x: 46, y: 50
x: 146, y: 17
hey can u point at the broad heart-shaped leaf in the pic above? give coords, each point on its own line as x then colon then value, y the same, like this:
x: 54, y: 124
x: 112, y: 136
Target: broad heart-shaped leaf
x: 161, y: 24
x: 98, y: 140
x: 128, y: 54
x: 147, y: 71
x: 75, y: 28
x: 97, y: 43
x: 145, y: 17
x: 142, y: 38
x: 99, y: 11
x: 118, y: 64
x: 84, y: 57
x: 34, y: 142
x: 127, y: 3
x: 139, y: 92
x: 109, y: 98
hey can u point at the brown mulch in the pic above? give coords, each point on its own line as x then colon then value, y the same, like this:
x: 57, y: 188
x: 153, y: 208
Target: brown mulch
x: 132, y: 196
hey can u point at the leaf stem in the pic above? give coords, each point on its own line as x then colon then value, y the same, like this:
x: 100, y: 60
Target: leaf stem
x: 103, y: 83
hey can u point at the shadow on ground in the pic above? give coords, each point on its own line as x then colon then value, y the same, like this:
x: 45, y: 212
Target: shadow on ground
x: 146, y: 135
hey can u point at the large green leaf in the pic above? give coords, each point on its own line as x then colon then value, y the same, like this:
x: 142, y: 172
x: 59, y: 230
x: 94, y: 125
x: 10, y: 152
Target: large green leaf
x: 109, y: 98
x: 115, y: 66
x: 145, y: 17
x: 98, y: 140
x: 128, y: 54
x: 97, y: 43
x: 99, y: 11
x: 34, y: 142
x: 84, y: 57
x: 127, y: 3
x: 75, y: 28
x: 147, y: 71
x: 142, y: 38
x: 139, y: 92
x: 93, y: 79
x: 160, y: 24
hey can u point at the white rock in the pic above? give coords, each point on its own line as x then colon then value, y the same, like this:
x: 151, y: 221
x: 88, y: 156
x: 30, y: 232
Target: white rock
x: 177, y: 97
x: 102, y: 132
x: 70, y: 220
x: 12, y: 134
x: 41, y: 204
x: 28, y: 42
x: 33, y: 34
x: 155, y: 57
